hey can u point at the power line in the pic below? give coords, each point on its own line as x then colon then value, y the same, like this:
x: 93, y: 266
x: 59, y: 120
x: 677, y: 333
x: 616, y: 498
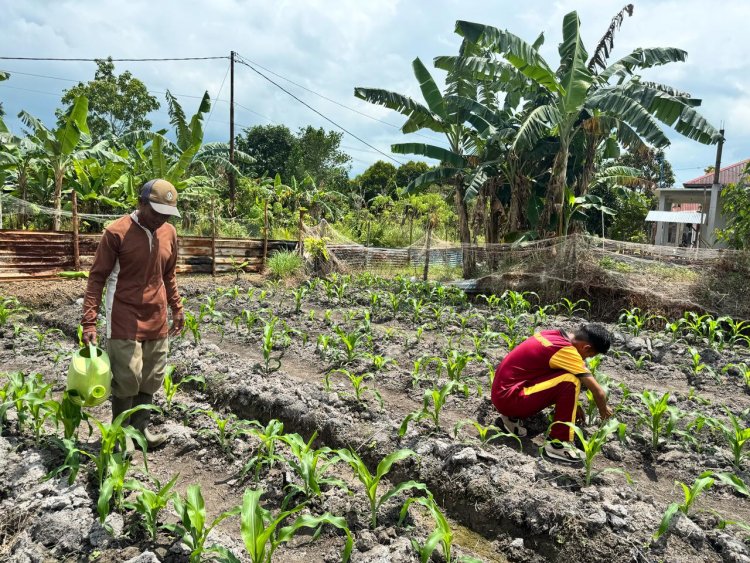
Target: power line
x: 152, y: 59
x: 332, y: 100
x: 213, y: 106
x: 242, y: 61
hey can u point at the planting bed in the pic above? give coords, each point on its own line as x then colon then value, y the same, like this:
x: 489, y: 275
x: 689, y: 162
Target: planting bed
x: 503, y: 502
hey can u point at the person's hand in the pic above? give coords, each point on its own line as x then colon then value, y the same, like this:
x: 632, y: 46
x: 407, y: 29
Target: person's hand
x: 178, y: 322
x: 88, y: 336
x: 580, y: 417
x: 605, y: 413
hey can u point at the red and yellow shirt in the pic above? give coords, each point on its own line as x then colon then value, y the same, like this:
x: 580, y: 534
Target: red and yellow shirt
x: 547, y: 353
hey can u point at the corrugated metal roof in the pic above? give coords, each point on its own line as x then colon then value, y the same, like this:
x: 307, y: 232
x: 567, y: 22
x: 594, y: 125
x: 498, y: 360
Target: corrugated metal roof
x: 728, y: 175
x: 688, y: 217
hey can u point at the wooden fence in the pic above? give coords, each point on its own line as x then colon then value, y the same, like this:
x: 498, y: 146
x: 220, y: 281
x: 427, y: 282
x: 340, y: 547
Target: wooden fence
x: 39, y: 254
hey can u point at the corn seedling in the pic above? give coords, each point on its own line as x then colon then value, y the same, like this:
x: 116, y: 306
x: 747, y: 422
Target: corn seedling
x: 735, y: 435
x: 327, y: 317
x: 149, y: 503
x: 737, y: 332
x: 226, y: 429
x: 171, y: 386
x: 262, y: 536
x: 486, y: 433
x: 9, y: 307
x: 638, y: 362
x: 193, y: 326
x: 379, y: 362
x: 41, y: 335
x: 22, y: 391
x: 370, y: 482
x: 742, y: 369
x: 493, y: 301
x: 69, y: 414
x: 247, y: 318
x: 113, y: 486
x: 516, y: 302
x: 417, y: 307
x: 323, y: 345
x: 691, y: 493
x: 358, y: 385
x: 192, y: 528
x: 697, y: 367
x: 593, y: 446
x: 310, y: 465
x: 113, y: 436
x: 674, y: 329
x: 265, y: 455
x: 659, y: 418
x: 511, y: 339
x: 569, y: 308
x: 635, y: 320
x: 395, y: 301
x: 432, y: 403
x: 269, y: 341
x: 351, y: 343
x: 455, y: 363
x: 68, y: 447
x: 441, y: 536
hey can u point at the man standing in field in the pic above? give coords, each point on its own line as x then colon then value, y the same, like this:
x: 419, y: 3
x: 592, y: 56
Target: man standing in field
x: 136, y: 259
x: 548, y: 369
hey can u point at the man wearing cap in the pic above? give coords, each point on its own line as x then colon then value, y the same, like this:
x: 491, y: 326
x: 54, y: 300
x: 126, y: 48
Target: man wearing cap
x: 136, y: 260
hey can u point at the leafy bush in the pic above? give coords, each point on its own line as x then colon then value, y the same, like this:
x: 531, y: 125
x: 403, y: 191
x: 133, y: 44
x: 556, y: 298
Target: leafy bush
x: 284, y: 264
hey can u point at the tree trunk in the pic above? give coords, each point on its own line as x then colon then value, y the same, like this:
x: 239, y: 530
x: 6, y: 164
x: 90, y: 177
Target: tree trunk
x: 556, y: 189
x: 76, y: 246
x: 265, y: 236
x: 23, y: 184
x: 587, y: 173
x: 426, y: 271
x: 469, y: 266
x: 57, y: 199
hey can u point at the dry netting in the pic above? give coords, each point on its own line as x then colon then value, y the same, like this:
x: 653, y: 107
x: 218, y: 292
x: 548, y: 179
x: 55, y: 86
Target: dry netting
x: 611, y: 274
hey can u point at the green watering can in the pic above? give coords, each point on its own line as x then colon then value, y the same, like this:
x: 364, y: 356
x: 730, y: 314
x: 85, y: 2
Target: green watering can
x: 89, y: 376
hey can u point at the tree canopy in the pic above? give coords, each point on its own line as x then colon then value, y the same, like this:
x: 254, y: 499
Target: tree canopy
x: 117, y: 103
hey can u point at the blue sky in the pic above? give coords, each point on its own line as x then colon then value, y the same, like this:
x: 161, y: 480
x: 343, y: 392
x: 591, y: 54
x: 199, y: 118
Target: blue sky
x: 331, y: 47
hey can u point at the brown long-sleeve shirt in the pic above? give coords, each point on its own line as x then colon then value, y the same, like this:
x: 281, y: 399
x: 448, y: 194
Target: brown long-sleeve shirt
x: 138, y: 268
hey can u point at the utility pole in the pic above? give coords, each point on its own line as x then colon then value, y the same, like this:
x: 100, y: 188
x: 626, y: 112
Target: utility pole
x: 232, y: 191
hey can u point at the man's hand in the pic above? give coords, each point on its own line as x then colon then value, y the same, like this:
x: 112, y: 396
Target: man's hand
x: 89, y: 336
x: 178, y: 322
x: 605, y: 412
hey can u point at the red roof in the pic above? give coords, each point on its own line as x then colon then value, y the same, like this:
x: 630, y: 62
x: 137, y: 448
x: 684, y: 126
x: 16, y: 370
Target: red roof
x: 727, y: 175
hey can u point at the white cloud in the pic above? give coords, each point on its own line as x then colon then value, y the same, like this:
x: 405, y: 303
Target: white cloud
x: 333, y: 47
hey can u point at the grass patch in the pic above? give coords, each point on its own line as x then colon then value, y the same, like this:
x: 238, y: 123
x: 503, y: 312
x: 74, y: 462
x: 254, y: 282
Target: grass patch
x: 284, y: 264
x: 608, y: 263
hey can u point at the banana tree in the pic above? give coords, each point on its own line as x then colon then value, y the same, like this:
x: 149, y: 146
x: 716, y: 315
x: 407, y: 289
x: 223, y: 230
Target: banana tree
x: 59, y: 148
x: 187, y: 159
x: 105, y: 184
x: 575, y: 208
x: 576, y: 94
x: 442, y: 116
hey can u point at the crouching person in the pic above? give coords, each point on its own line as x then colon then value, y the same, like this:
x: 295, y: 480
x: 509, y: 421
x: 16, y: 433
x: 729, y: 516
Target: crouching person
x: 136, y: 261
x: 548, y: 369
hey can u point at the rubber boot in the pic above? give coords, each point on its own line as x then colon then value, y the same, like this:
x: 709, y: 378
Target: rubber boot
x: 140, y: 420
x: 119, y: 406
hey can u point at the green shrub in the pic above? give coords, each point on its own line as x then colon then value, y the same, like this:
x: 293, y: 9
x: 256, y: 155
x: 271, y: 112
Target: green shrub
x: 284, y: 264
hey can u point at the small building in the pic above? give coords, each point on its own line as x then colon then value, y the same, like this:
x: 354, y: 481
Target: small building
x: 689, y: 216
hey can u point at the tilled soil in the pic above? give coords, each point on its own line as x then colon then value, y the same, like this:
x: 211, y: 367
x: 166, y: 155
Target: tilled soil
x: 524, y: 507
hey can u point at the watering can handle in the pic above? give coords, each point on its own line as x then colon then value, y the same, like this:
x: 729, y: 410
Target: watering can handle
x: 92, y: 352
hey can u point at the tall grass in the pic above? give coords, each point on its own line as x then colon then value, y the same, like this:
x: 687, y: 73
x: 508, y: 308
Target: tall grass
x: 284, y: 264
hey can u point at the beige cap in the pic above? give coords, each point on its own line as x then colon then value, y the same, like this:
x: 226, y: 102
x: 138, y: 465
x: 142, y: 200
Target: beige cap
x: 162, y: 196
